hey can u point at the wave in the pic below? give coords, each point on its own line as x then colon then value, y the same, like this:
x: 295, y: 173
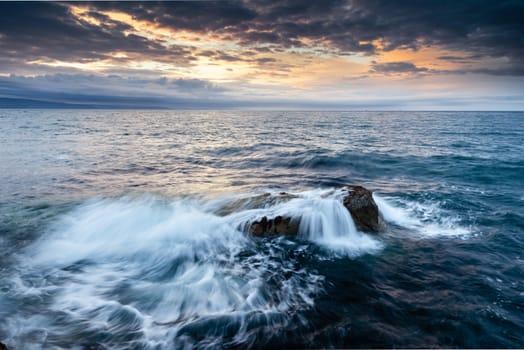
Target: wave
x: 427, y: 219
x: 150, y: 272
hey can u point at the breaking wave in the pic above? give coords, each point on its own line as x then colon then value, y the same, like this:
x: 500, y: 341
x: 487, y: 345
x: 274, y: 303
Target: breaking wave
x: 427, y: 219
x: 154, y: 273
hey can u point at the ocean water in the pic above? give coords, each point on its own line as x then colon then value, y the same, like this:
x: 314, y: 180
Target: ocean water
x: 124, y: 230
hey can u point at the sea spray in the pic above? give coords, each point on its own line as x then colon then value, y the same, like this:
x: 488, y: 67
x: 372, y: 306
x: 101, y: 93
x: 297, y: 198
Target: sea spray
x: 148, y: 270
x: 156, y: 273
x: 424, y: 219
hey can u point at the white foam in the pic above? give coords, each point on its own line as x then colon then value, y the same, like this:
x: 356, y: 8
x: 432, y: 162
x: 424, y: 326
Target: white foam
x: 396, y: 215
x: 157, y: 263
x: 425, y: 219
x: 142, y: 229
x: 156, y: 266
x: 327, y: 222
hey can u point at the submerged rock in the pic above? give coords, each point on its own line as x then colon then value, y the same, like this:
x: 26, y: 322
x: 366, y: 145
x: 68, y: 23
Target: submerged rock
x: 362, y: 207
x: 276, y: 226
x: 255, y: 202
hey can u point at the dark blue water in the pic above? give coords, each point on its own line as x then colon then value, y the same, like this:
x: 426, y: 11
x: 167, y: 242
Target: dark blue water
x: 123, y: 230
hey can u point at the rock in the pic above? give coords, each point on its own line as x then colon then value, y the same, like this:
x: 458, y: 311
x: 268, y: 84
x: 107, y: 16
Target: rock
x: 358, y: 201
x: 3, y: 346
x: 276, y: 226
x: 284, y: 196
x: 362, y: 207
x: 258, y: 228
x: 254, y: 202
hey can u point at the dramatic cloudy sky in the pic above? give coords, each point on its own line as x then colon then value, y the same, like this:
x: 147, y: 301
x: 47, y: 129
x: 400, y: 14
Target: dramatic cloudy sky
x: 336, y: 54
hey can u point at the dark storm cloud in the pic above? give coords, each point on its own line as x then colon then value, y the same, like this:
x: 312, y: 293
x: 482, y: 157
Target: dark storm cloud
x: 481, y: 29
x: 33, y: 30
x: 264, y: 60
x: 241, y: 56
x: 397, y: 67
x: 484, y: 28
x: 514, y: 70
x: 460, y: 59
x: 202, y: 16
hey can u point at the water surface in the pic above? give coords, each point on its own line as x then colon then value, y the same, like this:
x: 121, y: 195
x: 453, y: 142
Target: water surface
x: 114, y: 233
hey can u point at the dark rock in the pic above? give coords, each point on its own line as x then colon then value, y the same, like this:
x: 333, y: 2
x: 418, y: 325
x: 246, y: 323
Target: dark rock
x: 258, y: 228
x: 276, y: 226
x: 3, y: 346
x: 360, y: 203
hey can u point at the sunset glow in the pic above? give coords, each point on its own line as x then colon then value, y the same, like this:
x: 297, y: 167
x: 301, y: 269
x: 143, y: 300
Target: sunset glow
x: 268, y: 55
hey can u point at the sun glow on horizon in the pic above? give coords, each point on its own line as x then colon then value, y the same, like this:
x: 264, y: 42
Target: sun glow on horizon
x: 344, y: 53
x: 298, y: 68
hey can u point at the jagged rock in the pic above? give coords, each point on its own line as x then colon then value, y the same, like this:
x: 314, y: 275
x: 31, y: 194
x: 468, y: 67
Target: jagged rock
x: 362, y: 207
x: 277, y: 226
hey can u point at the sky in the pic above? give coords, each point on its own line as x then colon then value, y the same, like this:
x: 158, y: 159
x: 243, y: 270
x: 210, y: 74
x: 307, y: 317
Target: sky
x: 264, y: 54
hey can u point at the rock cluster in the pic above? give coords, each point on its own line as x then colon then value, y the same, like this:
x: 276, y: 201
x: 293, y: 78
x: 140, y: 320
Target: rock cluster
x: 277, y: 226
x: 358, y: 201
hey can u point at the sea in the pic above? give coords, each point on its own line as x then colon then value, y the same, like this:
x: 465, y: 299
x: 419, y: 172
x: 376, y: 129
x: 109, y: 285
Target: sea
x: 127, y: 229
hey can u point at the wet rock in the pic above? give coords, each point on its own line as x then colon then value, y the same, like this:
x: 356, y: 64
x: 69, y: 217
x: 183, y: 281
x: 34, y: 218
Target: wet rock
x: 362, y: 207
x: 258, y: 228
x: 276, y: 226
x: 358, y: 201
x: 284, y: 196
x: 254, y: 202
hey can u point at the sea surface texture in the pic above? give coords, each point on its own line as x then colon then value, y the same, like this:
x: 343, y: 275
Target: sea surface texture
x: 125, y: 230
